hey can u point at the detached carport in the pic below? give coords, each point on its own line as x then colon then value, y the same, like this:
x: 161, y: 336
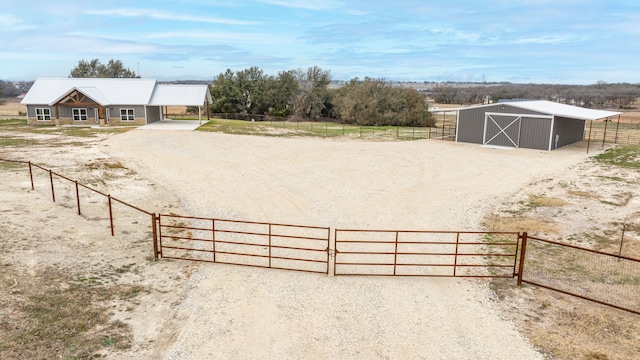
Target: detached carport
x: 531, y: 124
x: 179, y: 95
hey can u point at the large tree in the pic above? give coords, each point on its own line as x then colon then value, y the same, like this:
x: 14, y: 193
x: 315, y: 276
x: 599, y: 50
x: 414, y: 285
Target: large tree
x: 312, y: 98
x: 95, y: 69
x: 240, y: 92
x: 280, y: 91
x: 377, y: 102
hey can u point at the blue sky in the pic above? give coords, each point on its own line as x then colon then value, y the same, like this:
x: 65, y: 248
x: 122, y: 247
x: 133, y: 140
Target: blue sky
x: 532, y: 41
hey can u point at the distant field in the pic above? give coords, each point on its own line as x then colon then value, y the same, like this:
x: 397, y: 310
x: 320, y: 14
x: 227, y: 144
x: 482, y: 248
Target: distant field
x: 11, y: 108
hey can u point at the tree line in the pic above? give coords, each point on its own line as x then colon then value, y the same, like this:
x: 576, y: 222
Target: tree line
x: 599, y: 95
x: 306, y: 94
x: 298, y: 93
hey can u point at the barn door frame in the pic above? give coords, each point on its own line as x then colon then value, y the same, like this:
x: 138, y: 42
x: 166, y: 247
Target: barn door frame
x: 502, y: 130
x: 517, y: 117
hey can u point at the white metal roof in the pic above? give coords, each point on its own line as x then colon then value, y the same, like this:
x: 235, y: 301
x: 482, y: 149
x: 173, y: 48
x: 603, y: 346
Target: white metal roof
x: 120, y: 91
x: 564, y: 110
x: 185, y: 95
x: 90, y: 91
x: 551, y: 108
x: 106, y: 91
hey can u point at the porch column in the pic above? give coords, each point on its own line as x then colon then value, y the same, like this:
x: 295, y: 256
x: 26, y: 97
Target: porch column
x: 101, y: 118
x: 57, y: 119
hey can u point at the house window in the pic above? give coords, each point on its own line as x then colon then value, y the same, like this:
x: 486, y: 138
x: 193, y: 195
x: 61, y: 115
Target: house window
x: 43, y: 114
x: 79, y: 114
x: 127, y: 115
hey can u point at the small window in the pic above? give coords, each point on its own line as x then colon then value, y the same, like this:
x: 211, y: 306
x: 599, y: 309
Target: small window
x: 127, y: 115
x: 43, y: 114
x: 79, y: 114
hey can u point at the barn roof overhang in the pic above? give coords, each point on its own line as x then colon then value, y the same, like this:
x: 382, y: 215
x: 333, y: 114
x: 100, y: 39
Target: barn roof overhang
x: 549, y: 108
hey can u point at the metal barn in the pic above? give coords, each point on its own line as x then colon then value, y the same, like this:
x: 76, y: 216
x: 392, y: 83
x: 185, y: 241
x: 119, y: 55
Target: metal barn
x: 531, y: 124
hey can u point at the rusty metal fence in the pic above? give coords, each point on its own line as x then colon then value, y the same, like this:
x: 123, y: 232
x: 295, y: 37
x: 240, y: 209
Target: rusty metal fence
x: 258, y: 244
x: 585, y: 273
x: 88, y: 202
x: 425, y: 253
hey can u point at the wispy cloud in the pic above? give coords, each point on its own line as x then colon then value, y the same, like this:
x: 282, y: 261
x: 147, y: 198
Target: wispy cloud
x: 550, y: 39
x: 252, y: 37
x: 161, y: 15
x: 9, y: 22
x: 306, y: 5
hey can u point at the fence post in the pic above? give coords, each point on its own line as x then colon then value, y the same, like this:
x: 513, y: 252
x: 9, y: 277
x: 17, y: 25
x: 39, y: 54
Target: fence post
x: 335, y: 249
x: 53, y: 194
x: 213, y: 237
x: 604, y: 136
x: 269, y: 245
x: 110, y: 215
x: 77, y: 196
x: 395, y: 255
x: 159, y: 235
x: 154, y: 230
x: 455, y: 259
x: 328, y: 249
x: 31, y: 176
x: 523, y: 250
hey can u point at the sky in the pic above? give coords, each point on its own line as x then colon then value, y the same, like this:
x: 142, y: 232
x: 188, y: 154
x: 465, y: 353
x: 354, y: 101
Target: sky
x: 530, y: 41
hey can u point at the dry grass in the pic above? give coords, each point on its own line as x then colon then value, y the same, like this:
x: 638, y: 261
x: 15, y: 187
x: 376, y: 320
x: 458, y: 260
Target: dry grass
x: 584, y: 194
x: 531, y: 224
x: 53, y: 314
x: 541, y: 200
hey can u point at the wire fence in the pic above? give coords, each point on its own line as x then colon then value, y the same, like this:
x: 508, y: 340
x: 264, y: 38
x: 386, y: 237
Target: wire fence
x: 588, y: 274
x: 626, y: 133
x: 444, y: 129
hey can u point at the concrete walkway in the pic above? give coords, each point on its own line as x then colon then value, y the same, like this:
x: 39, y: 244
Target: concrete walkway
x: 172, y: 125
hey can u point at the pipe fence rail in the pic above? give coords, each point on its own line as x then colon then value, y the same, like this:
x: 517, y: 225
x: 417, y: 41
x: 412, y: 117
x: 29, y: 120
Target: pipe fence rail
x: 89, y: 202
x: 604, y: 278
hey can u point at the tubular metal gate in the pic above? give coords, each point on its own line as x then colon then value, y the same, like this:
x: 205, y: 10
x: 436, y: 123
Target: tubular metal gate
x: 426, y: 253
x: 276, y: 246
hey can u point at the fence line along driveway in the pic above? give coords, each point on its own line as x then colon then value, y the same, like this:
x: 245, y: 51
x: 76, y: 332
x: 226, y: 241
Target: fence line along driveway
x: 588, y: 274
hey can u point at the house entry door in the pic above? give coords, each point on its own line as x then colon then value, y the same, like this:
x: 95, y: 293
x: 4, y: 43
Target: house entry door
x: 96, y: 113
x: 502, y: 129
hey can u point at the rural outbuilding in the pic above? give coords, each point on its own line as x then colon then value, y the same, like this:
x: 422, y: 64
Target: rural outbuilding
x: 130, y: 101
x: 531, y: 124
